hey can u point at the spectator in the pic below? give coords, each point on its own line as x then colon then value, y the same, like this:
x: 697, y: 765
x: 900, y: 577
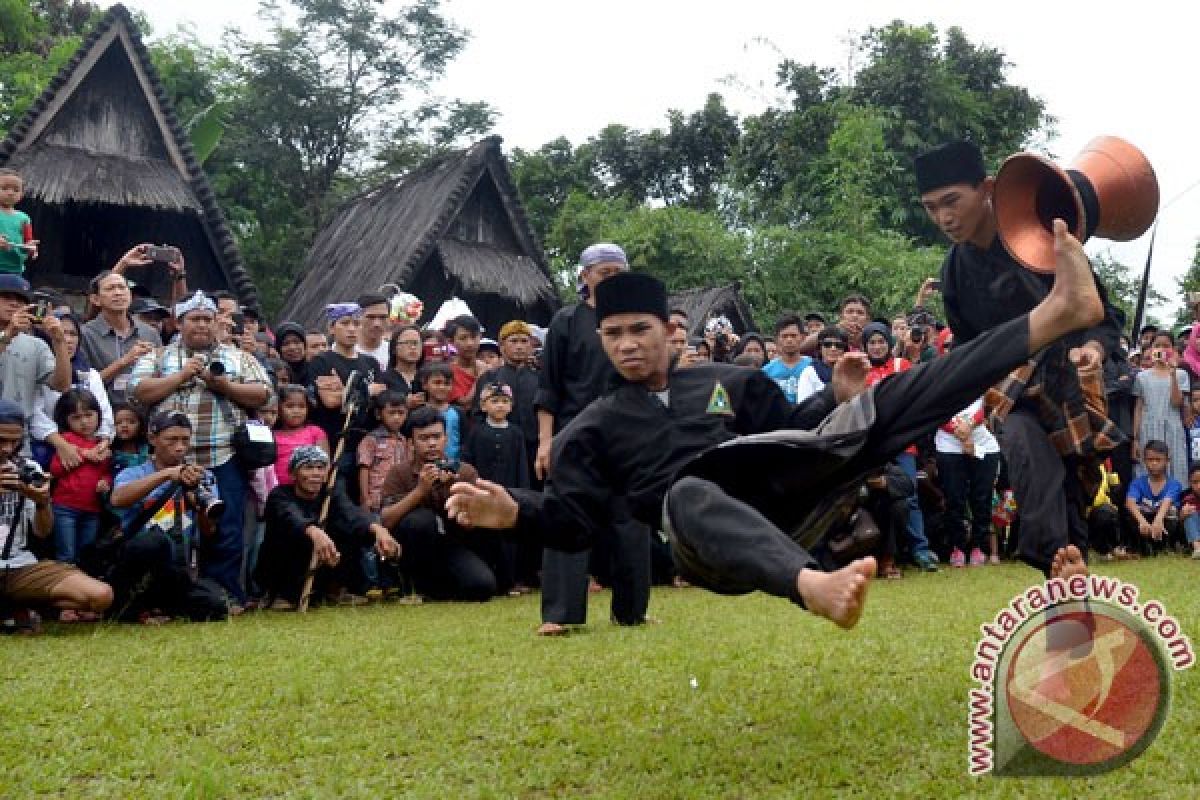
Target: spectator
x: 968, y: 459
x: 315, y: 343
x: 434, y: 551
x: 1190, y: 510
x: 679, y: 319
x: 900, y: 331
x: 465, y: 334
x: 516, y: 347
x: 215, y: 385
x: 293, y: 430
x: 114, y: 341
x: 331, y: 371
x: 1153, y: 499
x: 752, y: 345
x: 1161, y: 393
x: 78, y: 489
x: 27, y: 362
x: 790, y: 364
x: 382, y: 449
x: 1104, y: 519
x: 293, y: 350
x: 678, y: 341
x: 496, y: 448
x: 164, y: 505
x: 376, y: 316
x: 832, y: 345
x: 25, y: 511
x: 814, y: 323
x: 42, y: 429
x: 130, y: 447
x: 854, y: 314
x: 16, y: 230
x: 227, y: 308
x: 295, y: 533
x: 886, y: 500
x: 437, y: 379
x: 1146, y: 337
x: 489, y: 355
x: 772, y: 348
x: 406, y: 357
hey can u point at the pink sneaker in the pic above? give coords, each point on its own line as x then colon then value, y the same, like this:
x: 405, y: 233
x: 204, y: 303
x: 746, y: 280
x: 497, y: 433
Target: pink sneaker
x: 957, y: 559
x: 978, y: 559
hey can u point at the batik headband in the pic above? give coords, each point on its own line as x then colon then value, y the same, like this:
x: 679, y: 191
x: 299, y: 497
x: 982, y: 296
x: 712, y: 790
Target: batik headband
x: 336, y: 311
x: 197, y: 302
x: 306, y: 456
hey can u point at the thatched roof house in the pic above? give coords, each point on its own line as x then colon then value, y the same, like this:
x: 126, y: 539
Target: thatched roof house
x: 700, y: 305
x: 106, y: 165
x: 452, y: 227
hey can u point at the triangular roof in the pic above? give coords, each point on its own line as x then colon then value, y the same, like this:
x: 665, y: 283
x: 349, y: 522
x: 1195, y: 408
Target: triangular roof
x: 140, y: 157
x: 385, y: 233
x: 706, y: 302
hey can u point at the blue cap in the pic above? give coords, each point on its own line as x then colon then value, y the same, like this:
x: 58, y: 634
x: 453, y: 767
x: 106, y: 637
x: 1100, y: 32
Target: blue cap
x: 14, y: 284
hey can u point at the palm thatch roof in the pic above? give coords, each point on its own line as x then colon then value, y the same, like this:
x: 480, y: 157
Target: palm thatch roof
x: 702, y: 304
x: 453, y: 226
x: 103, y: 149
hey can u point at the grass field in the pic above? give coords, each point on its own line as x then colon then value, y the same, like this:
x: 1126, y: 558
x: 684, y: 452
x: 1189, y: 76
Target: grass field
x: 456, y: 701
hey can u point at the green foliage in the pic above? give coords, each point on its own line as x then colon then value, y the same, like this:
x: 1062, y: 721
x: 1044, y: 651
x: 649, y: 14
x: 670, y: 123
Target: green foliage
x: 36, y: 39
x: 739, y: 697
x: 1123, y: 284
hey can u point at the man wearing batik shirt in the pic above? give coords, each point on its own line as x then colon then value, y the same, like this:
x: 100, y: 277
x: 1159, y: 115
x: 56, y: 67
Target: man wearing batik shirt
x: 214, y: 385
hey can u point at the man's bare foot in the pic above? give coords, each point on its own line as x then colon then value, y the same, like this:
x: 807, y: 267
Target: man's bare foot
x: 837, y: 596
x: 552, y: 629
x: 1073, y: 303
x: 1068, y: 561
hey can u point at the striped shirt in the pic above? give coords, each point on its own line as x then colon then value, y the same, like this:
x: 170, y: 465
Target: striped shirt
x: 214, y: 417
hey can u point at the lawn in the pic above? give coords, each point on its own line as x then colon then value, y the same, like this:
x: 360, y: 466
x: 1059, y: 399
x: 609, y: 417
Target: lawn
x: 728, y: 697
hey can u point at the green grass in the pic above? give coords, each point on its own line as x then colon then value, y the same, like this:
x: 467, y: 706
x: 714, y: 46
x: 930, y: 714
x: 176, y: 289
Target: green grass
x: 457, y: 701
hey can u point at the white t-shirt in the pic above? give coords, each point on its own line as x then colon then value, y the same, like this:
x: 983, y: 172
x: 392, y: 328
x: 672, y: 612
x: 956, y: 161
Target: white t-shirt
x: 985, y: 442
x: 16, y: 520
x: 808, y: 384
x: 380, y: 353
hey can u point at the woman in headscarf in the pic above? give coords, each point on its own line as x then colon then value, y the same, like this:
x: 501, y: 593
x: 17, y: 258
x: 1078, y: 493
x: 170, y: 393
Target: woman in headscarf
x: 290, y: 342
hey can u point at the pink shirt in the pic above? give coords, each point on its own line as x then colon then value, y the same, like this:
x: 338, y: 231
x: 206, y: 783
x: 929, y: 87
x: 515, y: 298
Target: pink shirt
x: 286, y: 442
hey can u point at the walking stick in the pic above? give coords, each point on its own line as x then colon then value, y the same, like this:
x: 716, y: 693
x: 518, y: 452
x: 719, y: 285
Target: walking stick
x: 349, y: 408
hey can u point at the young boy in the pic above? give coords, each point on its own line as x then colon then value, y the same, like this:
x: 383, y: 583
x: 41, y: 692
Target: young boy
x: 1190, y: 512
x: 1153, y: 498
x: 438, y: 381
x: 497, y: 448
x: 383, y: 448
x: 465, y: 333
x: 16, y: 230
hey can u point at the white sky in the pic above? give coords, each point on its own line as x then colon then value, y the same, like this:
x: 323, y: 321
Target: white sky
x: 563, y: 67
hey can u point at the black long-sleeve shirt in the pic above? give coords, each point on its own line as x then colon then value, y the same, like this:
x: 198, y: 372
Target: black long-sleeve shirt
x: 629, y: 443
x: 525, y: 383
x: 575, y: 369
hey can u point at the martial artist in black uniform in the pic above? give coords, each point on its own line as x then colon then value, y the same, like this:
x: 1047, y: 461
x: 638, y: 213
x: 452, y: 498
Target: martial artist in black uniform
x: 749, y: 489
x: 575, y: 371
x: 1043, y: 439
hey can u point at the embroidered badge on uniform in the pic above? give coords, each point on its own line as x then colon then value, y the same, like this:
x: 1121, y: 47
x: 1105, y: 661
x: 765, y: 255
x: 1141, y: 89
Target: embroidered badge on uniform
x: 719, y: 403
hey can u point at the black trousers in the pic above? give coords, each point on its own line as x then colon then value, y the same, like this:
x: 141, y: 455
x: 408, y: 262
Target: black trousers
x: 150, y: 574
x: 565, y: 575
x: 968, y: 481
x: 436, y: 556
x: 729, y: 546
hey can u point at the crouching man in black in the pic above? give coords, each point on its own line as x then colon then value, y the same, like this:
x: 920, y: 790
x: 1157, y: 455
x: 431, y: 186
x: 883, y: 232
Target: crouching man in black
x: 166, y: 506
x: 442, y: 562
x: 295, y: 533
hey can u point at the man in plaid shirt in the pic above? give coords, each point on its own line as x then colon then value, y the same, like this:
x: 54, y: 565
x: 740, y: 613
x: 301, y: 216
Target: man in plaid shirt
x: 215, y: 385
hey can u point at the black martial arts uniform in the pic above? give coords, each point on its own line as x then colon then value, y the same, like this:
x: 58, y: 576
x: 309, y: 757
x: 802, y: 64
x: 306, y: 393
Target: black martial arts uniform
x: 752, y: 483
x: 287, y: 551
x: 986, y: 288
x: 576, y: 371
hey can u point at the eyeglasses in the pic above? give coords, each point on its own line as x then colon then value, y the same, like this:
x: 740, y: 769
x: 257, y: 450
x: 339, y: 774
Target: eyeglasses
x: 834, y: 343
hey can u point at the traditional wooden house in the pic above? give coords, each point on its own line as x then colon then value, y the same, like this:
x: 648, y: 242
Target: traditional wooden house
x: 700, y: 305
x: 452, y: 227
x: 106, y: 165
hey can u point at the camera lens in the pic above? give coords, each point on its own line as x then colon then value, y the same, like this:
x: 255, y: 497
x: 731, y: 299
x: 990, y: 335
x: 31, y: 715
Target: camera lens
x: 216, y: 368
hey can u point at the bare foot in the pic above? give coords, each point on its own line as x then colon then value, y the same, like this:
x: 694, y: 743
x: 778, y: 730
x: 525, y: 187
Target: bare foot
x: 1073, y: 303
x: 1068, y: 561
x: 552, y: 629
x: 837, y: 596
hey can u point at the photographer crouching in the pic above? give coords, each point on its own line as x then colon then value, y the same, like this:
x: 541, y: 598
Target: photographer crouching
x: 25, y: 510
x: 163, y: 503
x: 214, y: 385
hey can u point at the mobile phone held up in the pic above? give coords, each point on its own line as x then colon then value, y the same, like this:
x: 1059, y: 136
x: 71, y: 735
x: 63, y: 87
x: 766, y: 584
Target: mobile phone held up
x: 42, y: 306
x: 161, y: 253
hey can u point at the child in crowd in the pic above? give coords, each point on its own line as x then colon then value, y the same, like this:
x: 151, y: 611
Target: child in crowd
x: 1194, y: 431
x: 438, y: 381
x: 16, y: 230
x: 497, y: 447
x: 293, y: 429
x: 77, y: 490
x: 1153, y: 498
x: 1190, y: 511
x: 383, y: 448
x: 489, y: 355
x: 262, y: 481
x: 129, y: 446
x: 1161, y: 391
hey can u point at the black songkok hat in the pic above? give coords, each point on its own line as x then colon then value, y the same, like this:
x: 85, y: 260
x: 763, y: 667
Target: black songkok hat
x: 631, y: 293
x: 956, y: 162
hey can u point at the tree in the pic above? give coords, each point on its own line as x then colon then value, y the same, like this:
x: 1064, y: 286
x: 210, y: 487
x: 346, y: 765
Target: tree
x: 1123, y: 284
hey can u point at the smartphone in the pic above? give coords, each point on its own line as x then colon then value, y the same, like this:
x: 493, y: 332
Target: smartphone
x: 163, y: 253
x: 42, y: 306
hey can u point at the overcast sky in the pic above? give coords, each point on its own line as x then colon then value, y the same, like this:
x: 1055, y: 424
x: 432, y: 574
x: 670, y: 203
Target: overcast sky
x: 563, y: 67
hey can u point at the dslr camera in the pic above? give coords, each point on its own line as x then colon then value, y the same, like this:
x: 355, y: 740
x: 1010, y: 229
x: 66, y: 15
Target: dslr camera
x: 207, y: 502
x: 30, y: 475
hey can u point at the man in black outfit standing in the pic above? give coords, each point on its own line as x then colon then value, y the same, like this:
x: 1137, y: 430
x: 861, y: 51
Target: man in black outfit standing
x: 751, y: 483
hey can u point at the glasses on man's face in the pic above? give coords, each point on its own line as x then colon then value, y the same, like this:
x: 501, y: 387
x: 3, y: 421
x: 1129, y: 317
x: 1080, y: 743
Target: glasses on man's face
x: 834, y: 343
x: 409, y: 343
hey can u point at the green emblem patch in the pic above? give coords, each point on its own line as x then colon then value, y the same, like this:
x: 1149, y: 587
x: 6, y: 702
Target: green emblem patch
x: 719, y: 403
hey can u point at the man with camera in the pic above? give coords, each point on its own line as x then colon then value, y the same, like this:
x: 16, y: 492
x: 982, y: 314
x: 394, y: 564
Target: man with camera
x: 442, y: 561
x: 214, y: 385
x: 26, y: 361
x: 25, y: 511
x: 164, y: 504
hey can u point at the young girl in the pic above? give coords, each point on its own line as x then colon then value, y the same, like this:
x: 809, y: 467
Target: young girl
x: 293, y: 429
x: 76, y: 492
x: 1161, y: 392
x: 438, y: 380
x: 129, y: 446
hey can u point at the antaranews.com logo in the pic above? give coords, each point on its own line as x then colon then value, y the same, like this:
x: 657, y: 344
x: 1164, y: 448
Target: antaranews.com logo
x: 1074, y: 678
